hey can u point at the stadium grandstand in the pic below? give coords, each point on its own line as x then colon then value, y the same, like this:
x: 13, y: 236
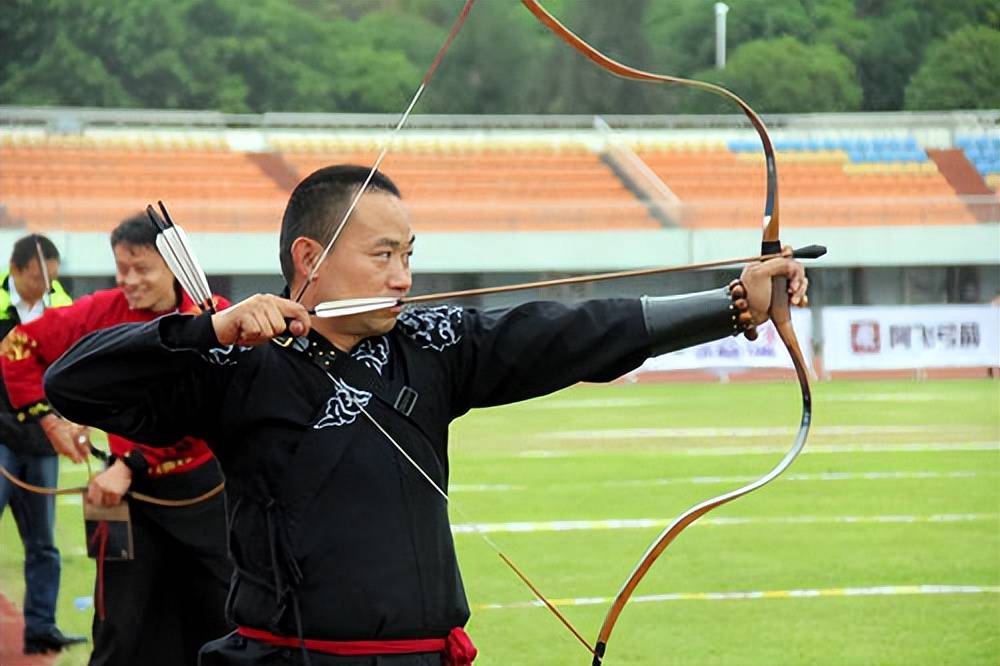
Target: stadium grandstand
x: 498, y: 198
x: 888, y: 534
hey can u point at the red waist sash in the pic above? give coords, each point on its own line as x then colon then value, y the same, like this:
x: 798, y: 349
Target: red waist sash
x: 457, y: 648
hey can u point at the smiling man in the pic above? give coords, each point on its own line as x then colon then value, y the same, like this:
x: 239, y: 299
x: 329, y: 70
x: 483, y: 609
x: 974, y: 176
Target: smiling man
x: 334, y: 432
x: 180, y: 569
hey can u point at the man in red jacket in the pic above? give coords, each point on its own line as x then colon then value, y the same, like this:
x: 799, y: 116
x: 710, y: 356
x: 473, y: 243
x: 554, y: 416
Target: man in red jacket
x: 160, y: 607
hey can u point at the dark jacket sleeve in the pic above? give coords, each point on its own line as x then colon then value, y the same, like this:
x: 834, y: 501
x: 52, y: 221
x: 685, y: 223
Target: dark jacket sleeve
x: 537, y: 348
x: 154, y: 382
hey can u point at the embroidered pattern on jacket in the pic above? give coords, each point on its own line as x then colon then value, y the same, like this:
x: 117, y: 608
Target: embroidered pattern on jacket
x: 346, y: 402
x: 343, y: 406
x: 434, y: 328
x: 372, y: 352
x: 221, y: 355
x: 17, y: 346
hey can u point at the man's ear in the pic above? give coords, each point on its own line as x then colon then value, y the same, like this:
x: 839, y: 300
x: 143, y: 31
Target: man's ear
x: 305, y: 253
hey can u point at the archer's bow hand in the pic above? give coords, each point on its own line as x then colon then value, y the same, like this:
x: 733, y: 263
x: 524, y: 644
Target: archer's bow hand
x: 258, y: 319
x: 756, y: 279
x: 67, y: 438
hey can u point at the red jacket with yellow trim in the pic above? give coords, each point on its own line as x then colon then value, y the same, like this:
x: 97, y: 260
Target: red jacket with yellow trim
x: 30, y: 348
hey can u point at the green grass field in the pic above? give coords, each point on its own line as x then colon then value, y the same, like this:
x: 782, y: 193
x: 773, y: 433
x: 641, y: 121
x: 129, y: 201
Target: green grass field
x: 881, y: 544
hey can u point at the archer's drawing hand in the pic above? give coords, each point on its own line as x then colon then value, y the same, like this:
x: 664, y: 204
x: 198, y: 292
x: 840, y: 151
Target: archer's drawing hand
x: 67, y: 438
x: 757, y: 280
x: 258, y: 319
x: 108, y: 487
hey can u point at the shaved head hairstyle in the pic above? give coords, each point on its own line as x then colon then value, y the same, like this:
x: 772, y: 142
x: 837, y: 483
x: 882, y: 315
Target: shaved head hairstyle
x: 318, y: 204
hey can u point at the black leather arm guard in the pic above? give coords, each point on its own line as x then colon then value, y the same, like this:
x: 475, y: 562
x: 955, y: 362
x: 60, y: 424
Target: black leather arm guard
x: 677, y: 322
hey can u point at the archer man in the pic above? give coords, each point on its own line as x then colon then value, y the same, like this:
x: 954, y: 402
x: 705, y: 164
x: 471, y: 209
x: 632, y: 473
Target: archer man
x: 333, y: 432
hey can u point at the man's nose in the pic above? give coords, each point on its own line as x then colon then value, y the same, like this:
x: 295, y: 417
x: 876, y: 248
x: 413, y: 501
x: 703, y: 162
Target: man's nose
x: 400, y: 278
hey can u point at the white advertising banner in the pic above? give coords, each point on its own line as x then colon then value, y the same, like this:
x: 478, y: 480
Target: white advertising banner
x: 911, y: 337
x: 734, y: 353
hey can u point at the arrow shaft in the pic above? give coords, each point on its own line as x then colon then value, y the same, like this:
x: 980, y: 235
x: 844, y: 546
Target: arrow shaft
x: 579, y: 279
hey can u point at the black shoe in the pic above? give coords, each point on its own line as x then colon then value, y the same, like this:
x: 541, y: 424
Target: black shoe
x: 51, y: 640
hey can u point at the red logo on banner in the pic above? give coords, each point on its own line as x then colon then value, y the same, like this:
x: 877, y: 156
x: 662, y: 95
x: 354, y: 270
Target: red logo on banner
x: 865, y: 337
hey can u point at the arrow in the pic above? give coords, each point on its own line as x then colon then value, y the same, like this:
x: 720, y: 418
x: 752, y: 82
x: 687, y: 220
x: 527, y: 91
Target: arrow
x: 352, y: 306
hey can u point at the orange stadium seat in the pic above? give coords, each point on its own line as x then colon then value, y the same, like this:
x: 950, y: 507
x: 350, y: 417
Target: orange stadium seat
x: 533, y: 188
x: 90, y: 188
x: 726, y: 189
x: 516, y: 187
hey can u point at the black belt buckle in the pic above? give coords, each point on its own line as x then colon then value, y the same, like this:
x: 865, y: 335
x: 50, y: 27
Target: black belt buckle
x: 405, y: 401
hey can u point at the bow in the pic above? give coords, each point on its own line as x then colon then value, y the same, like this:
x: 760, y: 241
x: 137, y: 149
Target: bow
x: 779, y: 314
x: 46, y: 490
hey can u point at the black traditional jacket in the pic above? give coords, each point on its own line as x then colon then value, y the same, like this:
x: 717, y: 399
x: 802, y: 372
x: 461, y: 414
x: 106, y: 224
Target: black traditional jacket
x: 326, y: 515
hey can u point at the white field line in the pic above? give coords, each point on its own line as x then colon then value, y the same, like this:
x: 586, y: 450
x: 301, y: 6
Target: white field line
x: 900, y: 397
x: 880, y: 591
x: 615, y: 403
x: 822, y: 476
x: 75, y: 500
x: 907, y: 447
x: 593, y: 403
x: 742, y: 432
x: 648, y: 523
x: 712, y: 480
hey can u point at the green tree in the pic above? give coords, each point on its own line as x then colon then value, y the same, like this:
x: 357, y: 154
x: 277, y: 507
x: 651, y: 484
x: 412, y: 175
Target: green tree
x: 782, y: 76
x: 682, y: 33
x: 572, y: 84
x: 65, y: 75
x: 901, y: 30
x: 492, y: 65
x: 961, y: 71
x: 837, y: 24
x: 367, y: 55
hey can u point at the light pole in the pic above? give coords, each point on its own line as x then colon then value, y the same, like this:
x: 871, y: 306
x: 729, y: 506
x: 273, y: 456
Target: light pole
x: 721, y: 9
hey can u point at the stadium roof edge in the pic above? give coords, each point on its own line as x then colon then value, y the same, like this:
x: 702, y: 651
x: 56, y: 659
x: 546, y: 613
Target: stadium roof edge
x: 75, y: 119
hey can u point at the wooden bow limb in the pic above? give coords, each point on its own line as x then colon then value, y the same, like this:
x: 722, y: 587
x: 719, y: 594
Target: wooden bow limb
x: 43, y: 490
x: 779, y: 311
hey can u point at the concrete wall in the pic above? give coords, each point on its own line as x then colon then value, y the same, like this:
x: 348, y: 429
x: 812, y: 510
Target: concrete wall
x: 88, y: 254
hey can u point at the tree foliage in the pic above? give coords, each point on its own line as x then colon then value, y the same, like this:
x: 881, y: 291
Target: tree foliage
x: 960, y: 72
x: 783, y: 75
x: 369, y: 55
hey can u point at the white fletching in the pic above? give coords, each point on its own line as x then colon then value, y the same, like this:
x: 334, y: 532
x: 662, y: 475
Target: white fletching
x: 352, y: 306
x: 205, y: 293
x: 184, y: 267
x: 174, y: 263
